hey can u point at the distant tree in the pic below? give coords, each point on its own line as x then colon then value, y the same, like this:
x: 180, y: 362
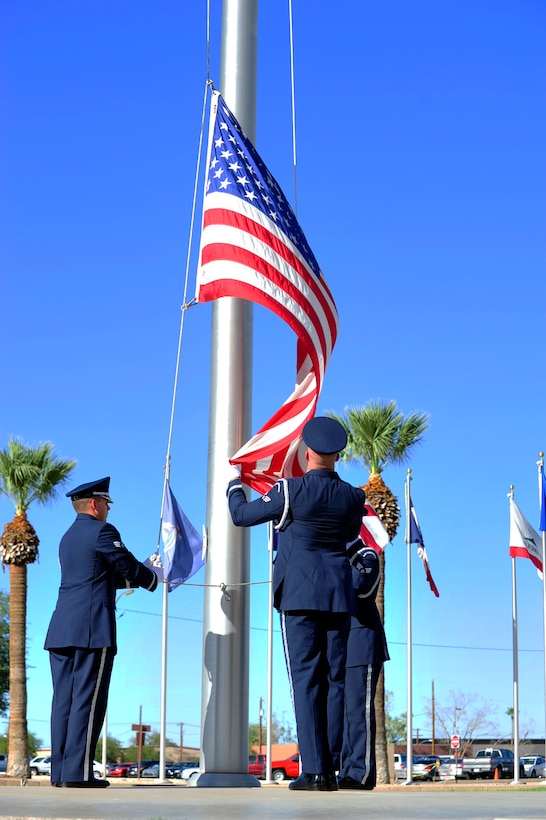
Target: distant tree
x: 150, y: 749
x: 466, y: 715
x: 114, y: 750
x: 27, y: 474
x: 396, y: 727
x: 280, y: 733
x: 34, y: 743
x: 4, y: 652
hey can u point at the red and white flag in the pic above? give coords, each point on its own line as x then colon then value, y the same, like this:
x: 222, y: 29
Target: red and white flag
x: 525, y: 542
x: 372, y: 531
x: 252, y: 247
x: 416, y: 537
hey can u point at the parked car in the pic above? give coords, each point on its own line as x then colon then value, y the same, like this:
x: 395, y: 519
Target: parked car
x: 173, y: 770
x: 400, y: 771
x: 40, y: 765
x: 451, y: 768
x: 132, y: 771
x: 151, y: 771
x: 491, y: 763
x: 256, y: 764
x: 3, y: 764
x: 533, y: 765
x: 118, y: 769
x: 425, y: 767
x: 191, y: 768
x: 288, y: 768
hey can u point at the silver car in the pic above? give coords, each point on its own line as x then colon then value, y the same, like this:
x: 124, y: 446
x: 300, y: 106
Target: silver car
x: 533, y: 765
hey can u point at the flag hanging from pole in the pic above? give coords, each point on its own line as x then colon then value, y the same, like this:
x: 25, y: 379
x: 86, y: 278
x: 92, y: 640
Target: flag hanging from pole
x: 372, y: 531
x: 182, y: 544
x: 416, y: 537
x: 253, y: 248
x: 525, y: 542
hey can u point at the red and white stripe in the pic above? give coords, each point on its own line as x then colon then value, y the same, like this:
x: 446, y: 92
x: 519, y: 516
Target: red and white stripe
x: 245, y: 254
x: 372, y: 531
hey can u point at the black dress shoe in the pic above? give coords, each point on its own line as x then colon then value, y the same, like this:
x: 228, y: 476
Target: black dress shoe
x: 331, y: 782
x: 85, y: 784
x: 309, y: 783
x: 351, y: 783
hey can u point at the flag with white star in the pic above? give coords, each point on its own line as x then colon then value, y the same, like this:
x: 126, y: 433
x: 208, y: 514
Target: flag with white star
x: 252, y: 247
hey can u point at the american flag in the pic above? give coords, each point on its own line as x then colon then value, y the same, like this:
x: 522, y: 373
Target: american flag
x: 252, y: 247
x: 372, y: 531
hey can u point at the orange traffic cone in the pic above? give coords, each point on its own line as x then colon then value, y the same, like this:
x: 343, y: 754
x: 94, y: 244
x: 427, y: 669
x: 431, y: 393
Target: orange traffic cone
x: 496, y: 775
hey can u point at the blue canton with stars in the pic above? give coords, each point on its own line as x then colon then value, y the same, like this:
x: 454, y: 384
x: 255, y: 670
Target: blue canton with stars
x: 236, y: 168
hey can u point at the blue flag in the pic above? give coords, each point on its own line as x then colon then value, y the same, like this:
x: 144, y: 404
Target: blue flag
x: 542, y: 526
x: 182, y: 544
x: 415, y: 536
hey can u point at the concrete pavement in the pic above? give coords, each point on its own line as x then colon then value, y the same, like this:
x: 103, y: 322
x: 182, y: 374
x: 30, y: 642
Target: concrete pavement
x: 143, y: 801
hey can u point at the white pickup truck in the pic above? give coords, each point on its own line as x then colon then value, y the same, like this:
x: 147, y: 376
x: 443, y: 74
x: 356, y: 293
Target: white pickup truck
x: 487, y: 762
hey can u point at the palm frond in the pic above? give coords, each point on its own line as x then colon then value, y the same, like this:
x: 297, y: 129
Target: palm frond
x: 32, y: 473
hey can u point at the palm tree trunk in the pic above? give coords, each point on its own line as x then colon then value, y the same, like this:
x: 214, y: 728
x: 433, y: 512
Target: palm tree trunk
x: 18, y: 760
x: 381, y: 761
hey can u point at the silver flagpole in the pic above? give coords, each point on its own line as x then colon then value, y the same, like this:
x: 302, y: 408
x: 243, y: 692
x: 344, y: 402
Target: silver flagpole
x: 224, y: 691
x: 515, y: 658
x: 268, y: 758
x: 409, y: 727
x: 543, y: 533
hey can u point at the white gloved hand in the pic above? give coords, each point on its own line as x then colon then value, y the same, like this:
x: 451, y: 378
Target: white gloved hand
x: 154, y: 563
x: 233, y: 471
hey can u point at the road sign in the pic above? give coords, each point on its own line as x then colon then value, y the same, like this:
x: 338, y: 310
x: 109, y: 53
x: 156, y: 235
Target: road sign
x: 455, y: 742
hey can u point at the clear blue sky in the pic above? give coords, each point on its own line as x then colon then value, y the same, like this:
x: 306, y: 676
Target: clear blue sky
x: 422, y: 191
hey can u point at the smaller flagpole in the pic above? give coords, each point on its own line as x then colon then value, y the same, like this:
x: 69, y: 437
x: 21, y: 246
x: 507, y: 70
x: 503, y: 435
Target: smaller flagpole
x: 515, y: 657
x: 164, y: 645
x: 268, y: 758
x: 543, y: 534
x: 409, y: 726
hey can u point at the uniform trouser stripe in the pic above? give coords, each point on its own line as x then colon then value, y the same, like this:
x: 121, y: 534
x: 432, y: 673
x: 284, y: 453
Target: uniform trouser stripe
x: 287, y: 657
x: 80, y: 690
x: 358, y: 752
x: 87, y: 773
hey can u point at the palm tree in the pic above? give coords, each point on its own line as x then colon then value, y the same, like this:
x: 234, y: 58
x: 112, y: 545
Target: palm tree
x: 379, y: 434
x: 27, y: 474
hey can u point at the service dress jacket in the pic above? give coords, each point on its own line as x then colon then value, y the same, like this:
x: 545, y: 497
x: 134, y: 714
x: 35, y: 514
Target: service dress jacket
x: 316, y: 515
x: 94, y: 563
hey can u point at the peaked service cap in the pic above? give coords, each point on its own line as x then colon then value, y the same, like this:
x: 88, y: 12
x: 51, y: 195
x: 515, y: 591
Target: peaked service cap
x: 324, y: 435
x: 94, y: 489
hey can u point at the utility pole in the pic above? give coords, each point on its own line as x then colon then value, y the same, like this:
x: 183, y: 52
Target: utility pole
x: 260, y: 726
x: 433, y: 749
x: 181, y: 741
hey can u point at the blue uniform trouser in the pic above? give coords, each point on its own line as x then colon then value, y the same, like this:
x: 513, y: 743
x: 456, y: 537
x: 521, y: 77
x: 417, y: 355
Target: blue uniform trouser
x: 358, y: 752
x: 81, y: 678
x: 315, y: 646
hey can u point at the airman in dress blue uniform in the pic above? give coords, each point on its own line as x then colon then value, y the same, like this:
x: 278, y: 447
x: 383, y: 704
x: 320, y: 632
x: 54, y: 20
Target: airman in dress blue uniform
x: 316, y: 516
x: 81, y: 638
x: 366, y: 653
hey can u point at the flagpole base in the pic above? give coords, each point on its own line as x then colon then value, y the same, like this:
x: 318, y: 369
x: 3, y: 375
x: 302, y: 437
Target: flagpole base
x: 223, y: 780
